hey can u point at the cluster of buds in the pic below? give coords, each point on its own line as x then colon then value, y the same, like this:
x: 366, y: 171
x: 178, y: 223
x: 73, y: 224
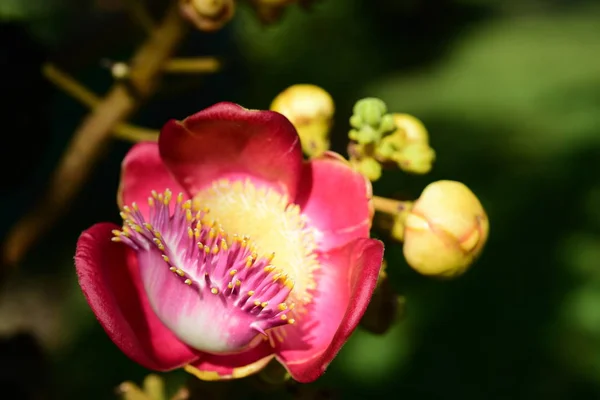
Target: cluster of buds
x: 380, y: 139
x: 446, y: 228
x: 211, y: 15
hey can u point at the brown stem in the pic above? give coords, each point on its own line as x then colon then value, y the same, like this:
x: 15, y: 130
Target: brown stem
x: 79, y: 92
x: 195, y: 65
x: 93, y: 135
x: 390, y: 206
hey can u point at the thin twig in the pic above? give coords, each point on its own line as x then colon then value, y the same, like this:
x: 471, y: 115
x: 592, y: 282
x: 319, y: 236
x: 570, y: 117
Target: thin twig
x: 194, y: 65
x: 79, y: 92
x: 93, y: 135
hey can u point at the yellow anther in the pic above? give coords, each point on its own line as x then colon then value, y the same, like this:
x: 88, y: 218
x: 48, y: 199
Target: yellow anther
x: 283, y: 317
x: 215, y: 249
x: 291, y: 321
x: 154, y: 194
x: 251, y: 293
x: 224, y: 245
x: 137, y: 228
x: 188, y: 281
x: 157, y: 234
x: 264, y: 304
x: 282, y: 306
x: 270, y: 257
x: 197, y: 233
x: 115, y: 239
x: 214, y: 290
x: 127, y: 209
x: 150, y: 201
x: 187, y: 205
x: 123, y: 215
x: 257, y: 303
x: 206, y: 249
x: 233, y: 272
x: 230, y: 285
x: 270, y: 268
x: 179, y: 198
x: 164, y: 257
x: 117, y: 232
x: 135, y: 206
x: 148, y: 226
x: 190, y: 232
x: 173, y: 269
x: 238, y: 282
x: 180, y: 272
x: 188, y: 215
x: 212, y: 233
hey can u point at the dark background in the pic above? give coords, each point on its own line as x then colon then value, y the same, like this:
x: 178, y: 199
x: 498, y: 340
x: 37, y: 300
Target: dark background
x: 510, y: 93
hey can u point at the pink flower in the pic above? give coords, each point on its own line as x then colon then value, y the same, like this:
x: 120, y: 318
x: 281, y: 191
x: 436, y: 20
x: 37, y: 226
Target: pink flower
x: 233, y: 250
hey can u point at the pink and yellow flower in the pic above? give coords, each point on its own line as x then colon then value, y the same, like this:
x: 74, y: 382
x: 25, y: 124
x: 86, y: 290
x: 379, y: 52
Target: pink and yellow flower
x: 233, y: 250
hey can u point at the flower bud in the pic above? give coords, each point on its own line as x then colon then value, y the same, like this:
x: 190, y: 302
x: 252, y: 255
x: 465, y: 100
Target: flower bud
x: 310, y: 109
x: 369, y: 167
x: 370, y: 110
x: 270, y: 11
x: 445, y: 230
x: 410, y: 129
x: 416, y: 158
x: 207, y: 15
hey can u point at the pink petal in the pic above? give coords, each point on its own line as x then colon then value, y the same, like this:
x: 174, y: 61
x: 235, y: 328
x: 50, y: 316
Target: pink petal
x: 336, y: 199
x: 345, y: 283
x: 143, y: 171
x: 227, y: 141
x: 110, y: 280
x: 214, y: 367
x: 203, y: 320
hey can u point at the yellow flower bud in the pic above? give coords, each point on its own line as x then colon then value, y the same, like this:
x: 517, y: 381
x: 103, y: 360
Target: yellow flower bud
x: 310, y: 109
x: 416, y: 158
x: 369, y: 167
x: 445, y: 230
x: 207, y: 15
x: 410, y: 128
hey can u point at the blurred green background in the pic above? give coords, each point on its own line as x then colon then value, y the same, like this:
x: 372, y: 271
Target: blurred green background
x: 510, y: 93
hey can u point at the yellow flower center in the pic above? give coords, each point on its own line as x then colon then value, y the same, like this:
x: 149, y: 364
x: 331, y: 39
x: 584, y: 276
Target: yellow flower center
x: 272, y: 223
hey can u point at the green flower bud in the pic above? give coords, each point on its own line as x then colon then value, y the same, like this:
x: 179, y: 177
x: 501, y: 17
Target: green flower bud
x: 371, y: 110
